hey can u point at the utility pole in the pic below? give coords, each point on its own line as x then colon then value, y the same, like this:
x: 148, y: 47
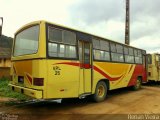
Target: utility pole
x: 1, y: 24
x: 127, y: 27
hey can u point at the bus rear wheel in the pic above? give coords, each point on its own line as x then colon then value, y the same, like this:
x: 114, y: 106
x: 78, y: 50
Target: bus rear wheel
x: 137, y: 86
x: 100, y: 92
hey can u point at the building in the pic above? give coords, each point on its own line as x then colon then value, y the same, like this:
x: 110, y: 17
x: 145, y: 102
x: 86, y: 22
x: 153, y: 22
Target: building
x: 5, y: 56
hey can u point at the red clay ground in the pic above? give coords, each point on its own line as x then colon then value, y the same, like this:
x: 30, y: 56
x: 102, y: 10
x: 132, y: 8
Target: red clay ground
x: 119, y: 104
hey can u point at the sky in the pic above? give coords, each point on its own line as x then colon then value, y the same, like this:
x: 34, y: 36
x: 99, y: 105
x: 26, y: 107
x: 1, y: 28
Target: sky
x: 105, y: 18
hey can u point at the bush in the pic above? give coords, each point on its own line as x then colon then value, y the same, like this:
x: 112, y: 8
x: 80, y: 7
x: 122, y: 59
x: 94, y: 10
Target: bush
x: 6, y: 91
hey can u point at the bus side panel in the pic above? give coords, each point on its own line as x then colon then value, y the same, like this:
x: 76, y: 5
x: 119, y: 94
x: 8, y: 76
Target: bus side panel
x: 139, y: 71
x: 152, y: 72
x: 153, y: 69
x: 118, y: 74
x: 63, y: 79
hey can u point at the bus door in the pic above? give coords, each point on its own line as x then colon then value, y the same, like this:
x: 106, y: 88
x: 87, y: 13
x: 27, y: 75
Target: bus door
x: 145, y: 65
x: 85, y: 59
x: 144, y: 61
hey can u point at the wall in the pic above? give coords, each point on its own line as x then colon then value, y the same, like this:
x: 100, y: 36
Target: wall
x: 4, y: 62
x: 5, y: 72
x: 5, y: 65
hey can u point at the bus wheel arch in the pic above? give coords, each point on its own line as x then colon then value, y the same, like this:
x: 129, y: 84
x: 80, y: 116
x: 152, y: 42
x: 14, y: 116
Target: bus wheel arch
x: 100, y: 92
x: 107, y: 83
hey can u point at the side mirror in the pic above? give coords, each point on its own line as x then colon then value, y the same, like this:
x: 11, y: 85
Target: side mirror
x: 1, y: 24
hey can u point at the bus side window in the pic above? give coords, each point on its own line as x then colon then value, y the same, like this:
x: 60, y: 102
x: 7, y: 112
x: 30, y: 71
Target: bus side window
x: 62, y: 43
x: 138, y: 56
x: 101, y: 50
x: 128, y: 54
x: 117, y: 52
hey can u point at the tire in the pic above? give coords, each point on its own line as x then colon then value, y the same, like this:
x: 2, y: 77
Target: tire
x: 100, y: 92
x: 138, y: 84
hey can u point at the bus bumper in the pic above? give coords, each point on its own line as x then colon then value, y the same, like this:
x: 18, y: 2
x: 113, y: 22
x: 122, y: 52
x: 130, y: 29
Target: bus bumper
x: 27, y: 91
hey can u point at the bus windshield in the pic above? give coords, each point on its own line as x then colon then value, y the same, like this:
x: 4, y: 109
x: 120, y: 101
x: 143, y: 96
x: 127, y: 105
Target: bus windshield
x: 26, y: 42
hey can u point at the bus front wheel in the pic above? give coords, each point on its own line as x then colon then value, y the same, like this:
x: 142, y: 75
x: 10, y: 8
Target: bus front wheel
x: 100, y: 92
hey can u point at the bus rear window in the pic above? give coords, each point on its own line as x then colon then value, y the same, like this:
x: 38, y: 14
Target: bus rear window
x: 26, y: 42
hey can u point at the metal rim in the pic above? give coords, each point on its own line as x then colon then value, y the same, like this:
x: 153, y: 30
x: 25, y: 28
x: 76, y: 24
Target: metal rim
x: 101, y: 91
x: 138, y: 84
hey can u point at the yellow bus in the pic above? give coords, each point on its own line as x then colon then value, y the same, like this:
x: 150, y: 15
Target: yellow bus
x: 153, y: 67
x: 50, y: 61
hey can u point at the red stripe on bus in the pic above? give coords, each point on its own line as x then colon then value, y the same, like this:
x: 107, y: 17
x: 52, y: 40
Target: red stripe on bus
x: 69, y: 63
x: 77, y: 64
x: 138, y: 69
x: 95, y: 68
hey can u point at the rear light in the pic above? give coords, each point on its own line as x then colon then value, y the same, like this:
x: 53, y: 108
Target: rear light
x: 38, y: 81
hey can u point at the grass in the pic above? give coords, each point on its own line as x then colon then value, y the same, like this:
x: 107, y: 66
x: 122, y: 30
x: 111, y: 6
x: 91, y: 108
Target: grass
x: 6, y: 91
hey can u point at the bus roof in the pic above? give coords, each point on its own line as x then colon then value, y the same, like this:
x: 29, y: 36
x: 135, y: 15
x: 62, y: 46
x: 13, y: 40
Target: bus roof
x: 44, y: 21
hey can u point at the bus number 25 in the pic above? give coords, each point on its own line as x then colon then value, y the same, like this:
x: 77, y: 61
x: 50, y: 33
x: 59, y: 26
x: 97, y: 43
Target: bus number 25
x: 57, y: 70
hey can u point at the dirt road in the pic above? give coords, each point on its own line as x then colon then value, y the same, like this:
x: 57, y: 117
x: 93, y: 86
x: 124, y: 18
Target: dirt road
x: 119, y: 104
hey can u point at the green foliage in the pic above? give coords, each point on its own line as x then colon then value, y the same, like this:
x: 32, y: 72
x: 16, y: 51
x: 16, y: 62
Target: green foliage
x: 6, y: 41
x: 6, y: 91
